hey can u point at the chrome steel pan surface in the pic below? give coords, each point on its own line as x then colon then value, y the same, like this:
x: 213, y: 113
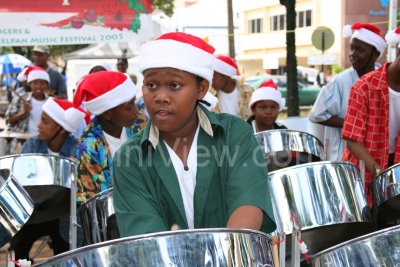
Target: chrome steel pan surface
x: 16, y: 206
x: 201, y: 247
x: 386, y: 195
x: 284, y: 148
x: 97, y: 217
x: 381, y: 248
x: 326, y: 200
x: 47, y: 179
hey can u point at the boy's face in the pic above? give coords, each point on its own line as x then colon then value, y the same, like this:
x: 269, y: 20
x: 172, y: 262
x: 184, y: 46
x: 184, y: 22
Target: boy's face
x: 171, y: 96
x: 219, y: 81
x: 121, y: 66
x: 123, y: 115
x: 47, y: 127
x: 266, y: 112
x: 362, y: 54
x: 38, y: 87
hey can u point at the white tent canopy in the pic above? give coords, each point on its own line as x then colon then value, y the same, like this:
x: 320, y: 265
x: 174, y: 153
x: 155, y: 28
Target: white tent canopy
x: 105, y: 51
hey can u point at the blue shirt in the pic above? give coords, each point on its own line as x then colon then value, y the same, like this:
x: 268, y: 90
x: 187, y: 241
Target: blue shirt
x: 35, y: 145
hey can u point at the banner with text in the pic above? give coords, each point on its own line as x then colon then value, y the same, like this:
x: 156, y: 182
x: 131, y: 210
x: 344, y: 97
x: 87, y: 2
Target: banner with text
x: 62, y: 22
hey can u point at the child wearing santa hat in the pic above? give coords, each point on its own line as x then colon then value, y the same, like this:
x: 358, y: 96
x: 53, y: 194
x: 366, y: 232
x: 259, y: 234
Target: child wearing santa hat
x: 23, y: 113
x: 23, y: 81
x: 173, y: 173
x: 330, y: 107
x: 266, y: 102
x: 110, y: 97
x: 59, y: 120
x: 233, y: 97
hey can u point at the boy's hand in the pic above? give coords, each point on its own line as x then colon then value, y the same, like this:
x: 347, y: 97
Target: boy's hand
x: 27, y: 107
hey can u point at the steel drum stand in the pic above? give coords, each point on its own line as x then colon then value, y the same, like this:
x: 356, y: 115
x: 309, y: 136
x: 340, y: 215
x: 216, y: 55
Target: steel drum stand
x: 282, y: 249
x: 296, y: 235
x: 73, y: 224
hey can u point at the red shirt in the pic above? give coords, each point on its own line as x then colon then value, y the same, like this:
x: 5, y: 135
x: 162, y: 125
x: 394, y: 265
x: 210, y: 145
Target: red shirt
x: 367, y: 119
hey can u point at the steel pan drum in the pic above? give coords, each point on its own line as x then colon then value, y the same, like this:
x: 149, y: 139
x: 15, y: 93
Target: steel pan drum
x: 97, y: 218
x: 326, y: 200
x: 386, y: 195
x: 202, y: 247
x: 47, y: 179
x: 284, y: 148
x: 16, y: 206
x: 381, y: 248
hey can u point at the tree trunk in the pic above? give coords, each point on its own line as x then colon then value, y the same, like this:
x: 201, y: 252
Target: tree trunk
x: 231, y: 36
x: 291, y: 60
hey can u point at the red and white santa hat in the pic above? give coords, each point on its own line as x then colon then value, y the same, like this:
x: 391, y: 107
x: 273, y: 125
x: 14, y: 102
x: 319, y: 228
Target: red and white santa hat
x: 63, y: 112
x: 226, y: 66
x: 267, y: 91
x: 367, y: 33
x: 104, y: 90
x: 23, y: 75
x: 393, y: 37
x: 36, y: 73
x: 180, y: 51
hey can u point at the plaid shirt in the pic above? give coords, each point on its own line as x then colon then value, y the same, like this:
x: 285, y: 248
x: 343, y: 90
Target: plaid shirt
x: 95, y: 160
x: 367, y: 119
x: 16, y: 106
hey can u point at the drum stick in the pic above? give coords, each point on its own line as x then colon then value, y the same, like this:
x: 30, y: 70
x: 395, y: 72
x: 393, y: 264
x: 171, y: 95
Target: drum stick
x: 275, y: 250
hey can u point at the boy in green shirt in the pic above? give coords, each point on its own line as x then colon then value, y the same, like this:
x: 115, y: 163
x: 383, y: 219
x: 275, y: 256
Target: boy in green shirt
x: 189, y: 167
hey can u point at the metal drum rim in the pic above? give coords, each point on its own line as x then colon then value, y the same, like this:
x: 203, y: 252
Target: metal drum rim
x: 157, y: 234
x: 6, y: 179
x: 102, y: 193
x: 289, y: 130
x: 313, y: 164
x: 388, y: 170
x: 352, y: 241
x: 38, y: 154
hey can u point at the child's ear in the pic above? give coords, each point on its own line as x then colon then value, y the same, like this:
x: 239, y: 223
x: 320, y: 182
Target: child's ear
x: 203, y: 89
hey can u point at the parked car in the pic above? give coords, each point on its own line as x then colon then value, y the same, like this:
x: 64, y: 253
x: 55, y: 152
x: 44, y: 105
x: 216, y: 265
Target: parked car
x: 307, y: 93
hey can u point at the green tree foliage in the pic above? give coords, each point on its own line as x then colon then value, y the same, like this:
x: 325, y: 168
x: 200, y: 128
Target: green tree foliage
x: 336, y: 69
x: 166, y: 6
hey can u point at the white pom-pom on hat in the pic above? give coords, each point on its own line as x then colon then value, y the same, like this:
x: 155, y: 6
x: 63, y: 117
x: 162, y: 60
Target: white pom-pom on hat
x: 393, y: 37
x: 347, y: 31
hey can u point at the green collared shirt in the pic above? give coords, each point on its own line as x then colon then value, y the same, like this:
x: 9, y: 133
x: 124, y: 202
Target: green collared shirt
x: 231, y: 172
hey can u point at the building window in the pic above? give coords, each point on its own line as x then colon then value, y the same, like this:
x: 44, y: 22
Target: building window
x: 304, y: 19
x: 255, y: 25
x: 278, y: 22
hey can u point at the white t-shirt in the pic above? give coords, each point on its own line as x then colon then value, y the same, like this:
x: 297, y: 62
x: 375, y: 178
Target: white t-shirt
x: 229, y: 102
x: 34, y: 116
x: 394, y: 115
x: 51, y: 152
x: 113, y: 142
x: 186, y: 179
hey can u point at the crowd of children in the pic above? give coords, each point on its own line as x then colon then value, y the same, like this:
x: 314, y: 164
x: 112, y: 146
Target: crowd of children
x: 168, y: 168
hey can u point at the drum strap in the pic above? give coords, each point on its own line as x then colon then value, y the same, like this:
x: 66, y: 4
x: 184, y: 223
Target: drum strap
x: 55, y: 135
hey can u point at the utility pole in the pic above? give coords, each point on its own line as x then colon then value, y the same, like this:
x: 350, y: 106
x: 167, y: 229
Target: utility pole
x: 391, y: 55
x: 291, y: 60
x: 231, y: 30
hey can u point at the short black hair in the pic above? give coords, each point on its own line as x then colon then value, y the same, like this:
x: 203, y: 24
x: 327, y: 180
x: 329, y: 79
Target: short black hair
x: 124, y: 60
